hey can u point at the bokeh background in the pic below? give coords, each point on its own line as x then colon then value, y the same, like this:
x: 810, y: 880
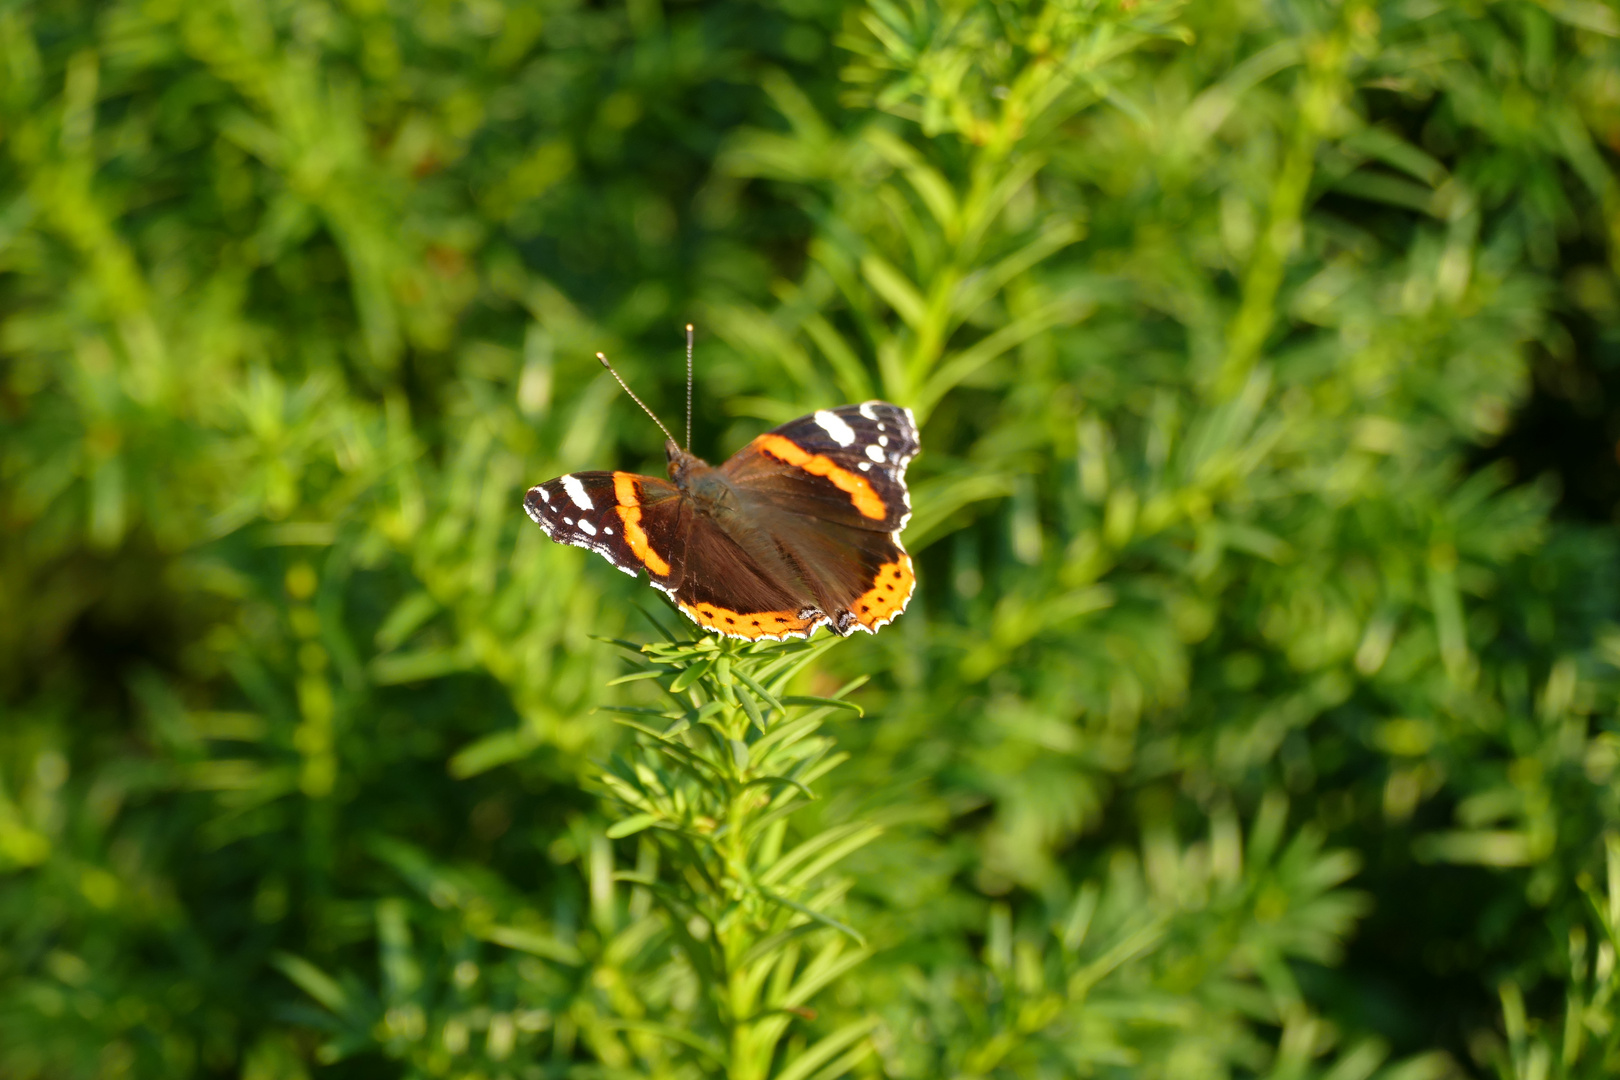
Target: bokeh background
x: 1256, y: 714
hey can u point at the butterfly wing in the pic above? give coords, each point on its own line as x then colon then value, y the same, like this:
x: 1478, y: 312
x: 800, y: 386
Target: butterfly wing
x: 846, y: 465
x: 736, y: 581
x: 634, y: 522
x: 641, y: 523
x: 830, y: 489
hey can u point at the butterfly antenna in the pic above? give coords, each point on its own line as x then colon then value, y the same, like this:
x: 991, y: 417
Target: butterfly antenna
x: 602, y: 357
x: 689, y: 386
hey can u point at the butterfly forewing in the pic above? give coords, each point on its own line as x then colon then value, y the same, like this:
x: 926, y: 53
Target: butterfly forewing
x: 846, y: 465
x: 626, y: 518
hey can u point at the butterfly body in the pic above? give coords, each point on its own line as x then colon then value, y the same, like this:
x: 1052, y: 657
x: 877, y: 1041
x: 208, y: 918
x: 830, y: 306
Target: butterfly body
x: 799, y: 529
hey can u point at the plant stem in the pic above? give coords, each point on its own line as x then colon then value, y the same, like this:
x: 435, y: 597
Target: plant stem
x: 717, y: 789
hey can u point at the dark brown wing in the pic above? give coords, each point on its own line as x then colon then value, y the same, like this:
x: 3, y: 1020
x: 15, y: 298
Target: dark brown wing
x: 830, y: 490
x: 739, y: 586
x: 846, y: 464
x: 634, y: 522
x: 737, y: 581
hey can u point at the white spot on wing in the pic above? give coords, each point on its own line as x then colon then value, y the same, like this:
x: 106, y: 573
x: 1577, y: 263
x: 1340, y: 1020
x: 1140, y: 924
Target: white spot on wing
x: 865, y: 466
x: 576, y: 491
x: 590, y: 530
x: 608, y: 529
x: 545, y: 496
x: 883, y: 440
x: 874, y: 452
x: 833, y: 424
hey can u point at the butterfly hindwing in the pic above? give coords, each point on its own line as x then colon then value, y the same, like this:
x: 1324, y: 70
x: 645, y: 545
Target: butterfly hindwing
x: 737, y: 581
x: 863, y: 578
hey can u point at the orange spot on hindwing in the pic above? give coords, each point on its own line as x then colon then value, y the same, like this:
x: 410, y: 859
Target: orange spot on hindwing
x: 888, y: 595
x: 856, y: 486
x: 629, y: 508
x: 753, y: 625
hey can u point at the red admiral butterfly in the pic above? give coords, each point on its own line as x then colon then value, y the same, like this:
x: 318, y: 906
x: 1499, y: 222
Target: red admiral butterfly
x: 799, y: 529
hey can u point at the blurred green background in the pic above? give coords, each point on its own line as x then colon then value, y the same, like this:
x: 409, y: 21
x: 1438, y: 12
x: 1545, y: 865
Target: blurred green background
x: 1256, y: 713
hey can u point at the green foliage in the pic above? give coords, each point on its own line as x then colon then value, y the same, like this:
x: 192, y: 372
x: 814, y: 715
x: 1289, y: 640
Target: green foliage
x: 726, y: 934
x: 1252, y: 717
x: 714, y: 791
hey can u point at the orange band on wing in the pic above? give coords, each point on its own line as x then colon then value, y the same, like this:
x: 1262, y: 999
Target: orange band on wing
x: 860, y: 491
x: 888, y: 595
x: 754, y: 625
x: 629, y: 508
x: 624, y: 489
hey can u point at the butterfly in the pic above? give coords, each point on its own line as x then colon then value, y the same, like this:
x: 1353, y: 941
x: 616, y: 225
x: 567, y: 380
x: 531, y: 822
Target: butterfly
x: 797, y: 530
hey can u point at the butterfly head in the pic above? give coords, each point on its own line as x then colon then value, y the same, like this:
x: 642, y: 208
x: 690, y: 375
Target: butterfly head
x: 701, y: 481
x: 684, y: 466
